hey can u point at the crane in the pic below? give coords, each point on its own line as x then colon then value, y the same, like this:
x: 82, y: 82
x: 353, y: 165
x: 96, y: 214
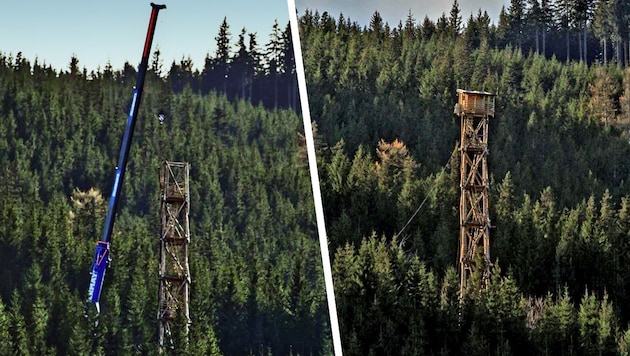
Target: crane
x: 101, y: 252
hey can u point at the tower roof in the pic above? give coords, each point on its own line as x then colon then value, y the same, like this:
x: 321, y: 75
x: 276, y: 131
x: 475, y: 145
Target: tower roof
x: 476, y: 92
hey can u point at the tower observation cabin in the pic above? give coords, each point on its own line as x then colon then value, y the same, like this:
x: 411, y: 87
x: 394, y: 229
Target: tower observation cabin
x: 475, y: 103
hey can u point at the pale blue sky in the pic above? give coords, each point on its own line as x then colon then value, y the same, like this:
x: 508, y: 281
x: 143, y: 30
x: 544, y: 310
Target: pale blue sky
x: 114, y: 30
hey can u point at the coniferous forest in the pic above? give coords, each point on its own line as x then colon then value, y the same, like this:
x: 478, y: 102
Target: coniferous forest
x: 559, y: 144
x: 254, y: 256
x: 382, y: 98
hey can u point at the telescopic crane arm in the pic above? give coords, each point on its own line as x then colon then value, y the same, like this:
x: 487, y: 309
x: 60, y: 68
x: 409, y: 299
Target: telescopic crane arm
x: 101, y: 253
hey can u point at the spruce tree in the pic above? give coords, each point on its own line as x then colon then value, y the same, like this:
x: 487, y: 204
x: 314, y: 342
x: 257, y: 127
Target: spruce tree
x: 5, y: 331
x: 17, y: 329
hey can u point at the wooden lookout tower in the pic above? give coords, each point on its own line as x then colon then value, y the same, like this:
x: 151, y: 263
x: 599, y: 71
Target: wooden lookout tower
x: 474, y: 108
x: 174, y: 274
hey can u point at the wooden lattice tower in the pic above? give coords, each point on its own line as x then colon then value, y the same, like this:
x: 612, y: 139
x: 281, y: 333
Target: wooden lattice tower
x: 174, y: 275
x: 474, y: 109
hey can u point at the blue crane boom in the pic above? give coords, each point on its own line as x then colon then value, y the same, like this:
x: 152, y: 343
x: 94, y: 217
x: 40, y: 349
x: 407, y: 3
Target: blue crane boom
x: 101, y: 253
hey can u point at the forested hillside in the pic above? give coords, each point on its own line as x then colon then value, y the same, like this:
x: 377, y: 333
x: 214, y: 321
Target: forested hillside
x: 383, y: 100
x: 255, y: 260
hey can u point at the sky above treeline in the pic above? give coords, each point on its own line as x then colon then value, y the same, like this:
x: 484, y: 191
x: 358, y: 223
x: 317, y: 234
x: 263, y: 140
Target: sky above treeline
x: 394, y: 11
x: 114, y: 31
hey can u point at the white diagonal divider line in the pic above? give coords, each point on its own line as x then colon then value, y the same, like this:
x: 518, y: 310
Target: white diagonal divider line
x: 312, y: 163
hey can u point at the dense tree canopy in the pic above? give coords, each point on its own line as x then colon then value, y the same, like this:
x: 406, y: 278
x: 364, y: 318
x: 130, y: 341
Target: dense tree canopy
x: 254, y: 257
x: 559, y: 181
x: 382, y: 97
